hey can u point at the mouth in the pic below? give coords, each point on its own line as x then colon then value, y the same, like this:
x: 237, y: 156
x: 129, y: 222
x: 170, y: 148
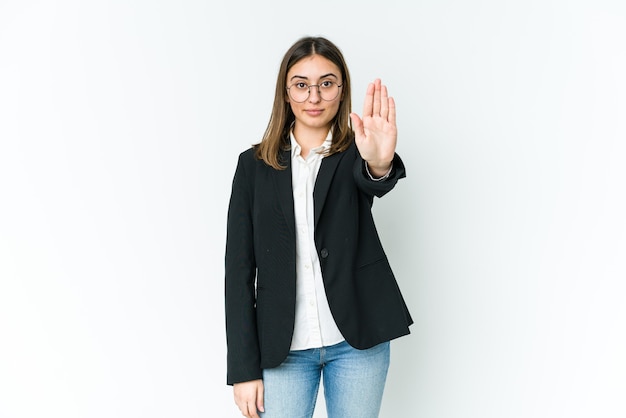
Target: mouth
x: 313, y: 112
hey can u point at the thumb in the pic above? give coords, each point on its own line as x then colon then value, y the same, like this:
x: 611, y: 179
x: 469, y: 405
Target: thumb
x: 259, y: 398
x: 357, y: 124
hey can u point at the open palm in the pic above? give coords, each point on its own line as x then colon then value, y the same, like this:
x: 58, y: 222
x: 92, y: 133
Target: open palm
x: 376, y: 134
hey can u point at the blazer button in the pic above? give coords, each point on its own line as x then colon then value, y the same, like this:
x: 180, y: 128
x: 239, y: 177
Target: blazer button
x: 324, y: 253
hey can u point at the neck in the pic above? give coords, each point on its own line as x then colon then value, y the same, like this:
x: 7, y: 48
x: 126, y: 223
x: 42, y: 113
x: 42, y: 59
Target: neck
x: 309, y: 138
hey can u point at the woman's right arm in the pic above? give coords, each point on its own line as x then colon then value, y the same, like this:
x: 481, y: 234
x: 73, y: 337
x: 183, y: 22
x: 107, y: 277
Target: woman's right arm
x: 243, y: 358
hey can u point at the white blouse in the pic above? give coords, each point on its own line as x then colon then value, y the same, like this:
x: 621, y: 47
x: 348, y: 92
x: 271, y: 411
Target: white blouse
x: 314, y: 325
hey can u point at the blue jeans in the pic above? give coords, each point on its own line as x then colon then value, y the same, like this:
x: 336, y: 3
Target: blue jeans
x: 354, y: 381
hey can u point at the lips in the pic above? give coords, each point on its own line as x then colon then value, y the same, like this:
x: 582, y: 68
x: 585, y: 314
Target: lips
x: 313, y: 112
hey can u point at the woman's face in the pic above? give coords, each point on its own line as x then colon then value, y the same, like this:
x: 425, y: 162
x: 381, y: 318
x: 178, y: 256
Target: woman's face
x: 314, y: 112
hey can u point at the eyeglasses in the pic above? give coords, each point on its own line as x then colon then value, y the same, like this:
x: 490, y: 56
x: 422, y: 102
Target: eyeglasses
x: 299, y: 92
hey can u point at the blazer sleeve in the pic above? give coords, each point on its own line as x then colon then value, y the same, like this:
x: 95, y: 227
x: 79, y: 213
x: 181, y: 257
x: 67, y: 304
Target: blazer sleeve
x: 243, y: 357
x: 377, y: 188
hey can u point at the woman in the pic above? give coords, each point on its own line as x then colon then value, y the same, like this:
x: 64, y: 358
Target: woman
x: 309, y: 290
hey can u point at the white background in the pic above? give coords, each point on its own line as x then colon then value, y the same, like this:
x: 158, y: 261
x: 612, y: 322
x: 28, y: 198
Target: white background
x: 120, y: 126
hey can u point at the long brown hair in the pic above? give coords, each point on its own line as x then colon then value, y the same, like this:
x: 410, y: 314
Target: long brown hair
x: 276, y: 136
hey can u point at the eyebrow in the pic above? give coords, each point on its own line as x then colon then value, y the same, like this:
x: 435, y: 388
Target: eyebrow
x: 306, y: 78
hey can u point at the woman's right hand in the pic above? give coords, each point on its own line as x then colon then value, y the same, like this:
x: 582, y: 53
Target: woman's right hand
x: 249, y: 397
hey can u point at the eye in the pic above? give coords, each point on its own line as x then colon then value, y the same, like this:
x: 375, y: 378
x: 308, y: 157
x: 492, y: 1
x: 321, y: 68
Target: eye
x: 301, y: 86
x: 326, y: 84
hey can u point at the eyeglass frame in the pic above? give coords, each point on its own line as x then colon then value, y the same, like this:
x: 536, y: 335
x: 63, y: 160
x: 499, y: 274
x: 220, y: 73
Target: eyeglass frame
x: 318, y: 90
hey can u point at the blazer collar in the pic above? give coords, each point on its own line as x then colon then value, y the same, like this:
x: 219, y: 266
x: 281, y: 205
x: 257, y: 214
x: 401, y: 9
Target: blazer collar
x: 282, y: 179
x: 324, y: 179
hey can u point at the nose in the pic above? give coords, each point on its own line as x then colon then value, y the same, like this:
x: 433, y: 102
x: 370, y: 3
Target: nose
x: 314, y: 94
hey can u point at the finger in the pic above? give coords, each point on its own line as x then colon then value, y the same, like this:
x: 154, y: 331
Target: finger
x: 357, y: 125
x: 246, y: 411
x: 243, y: 407
x: 384, y: 103
x: 252, y: 413
x: 392, y: 111
x: 260, y: 404
x: 249, y: 410
x: 369, y: 100
x: 376, y: 104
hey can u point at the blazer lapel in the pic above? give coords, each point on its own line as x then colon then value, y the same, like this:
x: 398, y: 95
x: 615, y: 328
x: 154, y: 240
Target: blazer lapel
x: 322, y: 183
x: 282, y: 180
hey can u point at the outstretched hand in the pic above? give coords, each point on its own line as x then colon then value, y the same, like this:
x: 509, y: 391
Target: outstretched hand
x: 376, y: 134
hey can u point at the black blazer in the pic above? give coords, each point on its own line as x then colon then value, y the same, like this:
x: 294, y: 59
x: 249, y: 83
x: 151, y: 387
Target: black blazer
x: 261, y: 244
